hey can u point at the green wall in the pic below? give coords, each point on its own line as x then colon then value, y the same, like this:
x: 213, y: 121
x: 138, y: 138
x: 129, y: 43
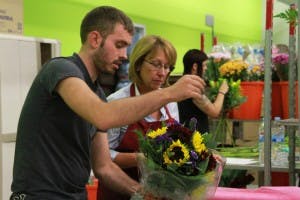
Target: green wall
x: 180, y: 21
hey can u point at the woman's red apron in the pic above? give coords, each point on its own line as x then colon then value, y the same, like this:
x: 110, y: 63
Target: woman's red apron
x: 129, y: 143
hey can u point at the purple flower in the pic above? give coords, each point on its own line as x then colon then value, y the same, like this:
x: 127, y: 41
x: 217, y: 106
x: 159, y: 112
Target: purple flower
x: 164, y: 137
x: 194, y: 155
x: 280, y: 58
x: 194, y: 158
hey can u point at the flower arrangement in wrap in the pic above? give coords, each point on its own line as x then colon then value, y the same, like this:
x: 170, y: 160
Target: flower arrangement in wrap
x: 212, y: 72
x: 178, y: 163
x: 233, y: 71
x: 281, y: 64
x: 232, y: 99
x: 240, y: 70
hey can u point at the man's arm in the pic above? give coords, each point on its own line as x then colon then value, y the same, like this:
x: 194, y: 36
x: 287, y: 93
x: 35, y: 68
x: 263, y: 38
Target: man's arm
x: 126, y: 160
x: 88, y: 105
x: 107, y: 171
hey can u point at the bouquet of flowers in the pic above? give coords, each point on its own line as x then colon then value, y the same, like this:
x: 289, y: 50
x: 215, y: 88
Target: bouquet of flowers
x: 234, y: 69
x: 240, y: 70
x: 212, y: 72
x: 255, y: 73
x: 232, y: 99
x: 179, y: 163
x: 281, y: 62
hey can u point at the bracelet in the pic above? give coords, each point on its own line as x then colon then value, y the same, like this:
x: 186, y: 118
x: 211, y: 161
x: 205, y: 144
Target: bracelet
x: 222, y: 93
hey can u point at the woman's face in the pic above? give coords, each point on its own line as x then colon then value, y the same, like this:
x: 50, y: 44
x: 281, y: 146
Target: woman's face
x: 154, y: 71
x: 204, y: 67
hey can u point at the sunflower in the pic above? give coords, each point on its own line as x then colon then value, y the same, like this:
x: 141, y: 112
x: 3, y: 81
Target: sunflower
x: 198, y: 144
x: 177, y: 153
x: 156, y: 133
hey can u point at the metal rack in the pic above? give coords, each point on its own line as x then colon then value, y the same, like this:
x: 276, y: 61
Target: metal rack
x: 290, y: 124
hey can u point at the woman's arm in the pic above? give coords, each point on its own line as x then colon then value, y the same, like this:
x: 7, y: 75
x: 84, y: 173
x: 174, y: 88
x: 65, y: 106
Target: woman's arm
x: 212, y: 109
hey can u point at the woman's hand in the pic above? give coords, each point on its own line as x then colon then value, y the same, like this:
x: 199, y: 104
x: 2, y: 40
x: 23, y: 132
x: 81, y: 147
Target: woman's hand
x: 224, y: 87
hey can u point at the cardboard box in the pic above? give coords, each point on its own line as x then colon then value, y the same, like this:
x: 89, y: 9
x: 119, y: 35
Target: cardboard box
x: 11, y: 16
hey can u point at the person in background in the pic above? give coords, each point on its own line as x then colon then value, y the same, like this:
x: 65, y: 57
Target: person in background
x: 65, y: 115
x: 194, y: 62
x: 151, y: 62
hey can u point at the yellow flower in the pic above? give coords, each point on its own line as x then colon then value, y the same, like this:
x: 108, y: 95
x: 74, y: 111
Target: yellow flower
x: 233, y: 67
x: 198, y: 144
x: 256, y: 68
x: 156, y: 133
x: 176, y: 153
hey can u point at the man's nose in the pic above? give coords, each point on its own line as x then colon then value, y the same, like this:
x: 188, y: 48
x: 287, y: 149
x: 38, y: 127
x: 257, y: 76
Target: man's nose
x: 123, y: 53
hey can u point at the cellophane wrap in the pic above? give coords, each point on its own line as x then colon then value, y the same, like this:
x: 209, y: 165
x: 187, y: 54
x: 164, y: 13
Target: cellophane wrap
x: 162, y: 184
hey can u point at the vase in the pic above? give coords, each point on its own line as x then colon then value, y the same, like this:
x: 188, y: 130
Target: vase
x: 251, y: 108
x: 164, y: 184
x: 284, y: 88
x: 222, y: 129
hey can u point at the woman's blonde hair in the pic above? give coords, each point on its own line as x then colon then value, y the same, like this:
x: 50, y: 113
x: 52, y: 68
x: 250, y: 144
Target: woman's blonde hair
x: 146, y: 46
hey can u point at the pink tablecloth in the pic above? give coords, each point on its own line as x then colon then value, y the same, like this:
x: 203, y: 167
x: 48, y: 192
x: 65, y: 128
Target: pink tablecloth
x: 262, y: 193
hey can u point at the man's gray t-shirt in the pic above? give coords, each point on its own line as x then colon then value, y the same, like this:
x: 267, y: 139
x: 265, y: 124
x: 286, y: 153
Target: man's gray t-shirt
x: 52, y: 158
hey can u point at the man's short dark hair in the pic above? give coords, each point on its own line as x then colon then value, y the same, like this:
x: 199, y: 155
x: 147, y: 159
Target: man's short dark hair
x: 103, y: 19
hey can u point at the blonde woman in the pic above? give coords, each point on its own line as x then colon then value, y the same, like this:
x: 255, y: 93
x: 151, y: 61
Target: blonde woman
x: 151, y: 62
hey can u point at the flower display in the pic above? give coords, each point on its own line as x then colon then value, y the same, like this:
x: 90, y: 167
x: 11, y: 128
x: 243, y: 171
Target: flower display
x: 255, y: 73
x: 179, y: 163
x: 212, y: 72
x: 280, y: 58
x: 234, y: 69
x: 281, y: 62
x: 233, y: 97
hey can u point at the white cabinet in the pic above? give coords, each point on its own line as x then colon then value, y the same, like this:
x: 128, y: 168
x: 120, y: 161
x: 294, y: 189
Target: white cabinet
x: 8, y: 151
x: 20, y: 60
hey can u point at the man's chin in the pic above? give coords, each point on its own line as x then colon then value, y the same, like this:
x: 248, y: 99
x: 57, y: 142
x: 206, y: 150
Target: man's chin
x: 109, y: 71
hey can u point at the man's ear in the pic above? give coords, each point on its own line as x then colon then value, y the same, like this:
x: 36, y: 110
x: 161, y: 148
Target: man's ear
x: 94, y: 39
x: 194, y: 69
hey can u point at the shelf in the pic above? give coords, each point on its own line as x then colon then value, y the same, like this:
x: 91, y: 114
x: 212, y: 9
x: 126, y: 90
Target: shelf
x: 288, y: 122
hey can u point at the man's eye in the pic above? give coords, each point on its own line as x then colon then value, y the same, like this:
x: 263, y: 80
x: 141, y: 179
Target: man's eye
x: 121, y: 45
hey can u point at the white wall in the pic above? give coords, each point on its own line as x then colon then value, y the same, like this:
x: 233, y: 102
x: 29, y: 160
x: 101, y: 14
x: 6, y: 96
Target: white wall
x: 20, y: 60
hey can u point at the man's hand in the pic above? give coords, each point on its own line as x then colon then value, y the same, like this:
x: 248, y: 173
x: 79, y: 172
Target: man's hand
x: 188, y: 86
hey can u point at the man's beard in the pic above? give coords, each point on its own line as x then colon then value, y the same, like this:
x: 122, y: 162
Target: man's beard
x: 99, y: 61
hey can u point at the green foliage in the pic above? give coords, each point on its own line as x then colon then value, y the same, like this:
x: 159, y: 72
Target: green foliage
x: 233, y: 97
x: 177, y: 161
x: 288, y: 16
x: 212, y: 72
